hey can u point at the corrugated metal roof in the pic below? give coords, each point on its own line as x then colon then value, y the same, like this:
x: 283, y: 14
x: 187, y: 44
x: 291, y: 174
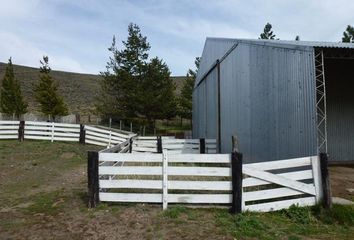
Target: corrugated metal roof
x: 291, y: 42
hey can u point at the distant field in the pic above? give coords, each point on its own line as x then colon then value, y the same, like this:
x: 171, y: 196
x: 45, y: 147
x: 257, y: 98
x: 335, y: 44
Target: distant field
x: 79, y: 90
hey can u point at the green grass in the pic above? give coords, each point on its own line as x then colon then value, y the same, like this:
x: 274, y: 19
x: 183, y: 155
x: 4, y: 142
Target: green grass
x: 47, y: 203
x: 293, y: 223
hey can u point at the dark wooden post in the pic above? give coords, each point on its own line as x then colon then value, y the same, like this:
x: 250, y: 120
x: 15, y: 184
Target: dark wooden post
x: 326, y: 187
x: 130, y: 145
x: 159, y: 144
x: 82, y: 134
x: 202, y: 145
x: 236, y: 165
x: 21, y: 131
x: 92, y: 174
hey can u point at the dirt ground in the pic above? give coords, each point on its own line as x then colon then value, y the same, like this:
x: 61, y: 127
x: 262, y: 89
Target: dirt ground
x: 342, y: 179
x: 43, y: 196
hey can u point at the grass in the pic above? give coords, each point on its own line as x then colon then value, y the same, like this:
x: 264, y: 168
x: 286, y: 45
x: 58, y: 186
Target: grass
x: 43, y: 194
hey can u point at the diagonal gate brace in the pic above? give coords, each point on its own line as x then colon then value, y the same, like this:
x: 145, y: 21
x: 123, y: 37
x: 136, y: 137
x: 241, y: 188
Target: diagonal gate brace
x: 273, y: 178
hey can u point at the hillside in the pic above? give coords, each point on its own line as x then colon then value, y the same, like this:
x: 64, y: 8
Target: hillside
x: 79, y: 90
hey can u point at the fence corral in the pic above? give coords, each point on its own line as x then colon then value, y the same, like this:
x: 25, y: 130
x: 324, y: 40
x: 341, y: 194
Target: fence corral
x: 219, y: 179
x: 165, y: 178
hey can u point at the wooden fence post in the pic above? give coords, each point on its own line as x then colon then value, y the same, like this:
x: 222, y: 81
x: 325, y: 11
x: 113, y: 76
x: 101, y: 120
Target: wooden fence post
x: 21, y: 131
x: 202, y: 145
x: 92, y: 174
x: 82, y: 134
x: 236, y: 165
x: 326, y: 187
x: 164, y: 181
x: 130, y: 145
x: 159, y: 144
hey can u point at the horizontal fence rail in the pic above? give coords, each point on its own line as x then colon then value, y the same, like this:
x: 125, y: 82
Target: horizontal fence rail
x: 103, y: 137
x: 165, y: 178
x: 9, y: 129
x: 173, y: 146
x: 52, y: 131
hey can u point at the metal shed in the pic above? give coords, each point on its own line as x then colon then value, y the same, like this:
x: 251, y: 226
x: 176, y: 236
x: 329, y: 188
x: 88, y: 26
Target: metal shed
x: 282, y: 99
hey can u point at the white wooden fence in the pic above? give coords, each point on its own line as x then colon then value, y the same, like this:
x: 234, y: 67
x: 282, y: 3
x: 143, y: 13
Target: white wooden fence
x: 52, y: 131
x: 207, y: 179
x: 172, y: 145
x: 103, y: 137
x: 188, y: 145
x: 154, y: 176
x: 9, y: 129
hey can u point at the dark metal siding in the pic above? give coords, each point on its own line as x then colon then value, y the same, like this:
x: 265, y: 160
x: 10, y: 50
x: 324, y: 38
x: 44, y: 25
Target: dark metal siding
x: 340, y: 109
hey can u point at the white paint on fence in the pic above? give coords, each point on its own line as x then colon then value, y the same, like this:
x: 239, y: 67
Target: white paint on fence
x: 282, y: 186
x: 9, y: 129
x: 52, y: 131
x: 278, y: 191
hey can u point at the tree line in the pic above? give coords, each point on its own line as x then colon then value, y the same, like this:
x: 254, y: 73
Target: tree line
x: 45, y: 92
x: 348, y: 34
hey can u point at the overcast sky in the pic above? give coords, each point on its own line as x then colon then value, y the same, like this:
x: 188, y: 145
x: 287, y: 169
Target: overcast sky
x: 75, y: 34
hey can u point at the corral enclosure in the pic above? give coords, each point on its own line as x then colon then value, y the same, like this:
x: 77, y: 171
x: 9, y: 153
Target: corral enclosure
x: 282, y: 99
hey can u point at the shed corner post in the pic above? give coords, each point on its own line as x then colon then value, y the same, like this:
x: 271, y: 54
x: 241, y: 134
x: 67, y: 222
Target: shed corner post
x: 326, y: 187
x: 93, y: 179
x: 219, y: 106
x: 236, y: 171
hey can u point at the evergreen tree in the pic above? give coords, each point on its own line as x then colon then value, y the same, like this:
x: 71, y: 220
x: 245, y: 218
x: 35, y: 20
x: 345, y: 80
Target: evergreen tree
x: 132, y: 86
x: 157, y: 92
x: 11, y: 101
x: 348, y: 35
x: 46, y: 92
x: 297, y: 38
x: 267, y: 32
x: 185, y: 99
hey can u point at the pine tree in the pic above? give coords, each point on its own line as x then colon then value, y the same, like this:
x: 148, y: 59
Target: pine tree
x: 11, y: 101
x: 157, y: 92
x: 46, y: 92
x: 267, y: 32
x: 348, y: 35
x: 185, y: 99
x: 133, y: 86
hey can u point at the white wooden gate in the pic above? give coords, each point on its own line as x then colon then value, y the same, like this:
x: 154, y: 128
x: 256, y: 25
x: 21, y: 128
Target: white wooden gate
x: 165, y: 178
x: 275, y: 185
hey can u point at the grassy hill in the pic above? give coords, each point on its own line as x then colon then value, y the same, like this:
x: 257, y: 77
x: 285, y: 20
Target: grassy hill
x: 79, y: 90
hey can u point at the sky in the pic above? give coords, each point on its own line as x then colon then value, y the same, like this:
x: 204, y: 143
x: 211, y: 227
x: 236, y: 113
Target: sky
x: 75, y: 34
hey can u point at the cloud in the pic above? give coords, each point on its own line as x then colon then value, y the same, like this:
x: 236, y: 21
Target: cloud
x: 76, y: 34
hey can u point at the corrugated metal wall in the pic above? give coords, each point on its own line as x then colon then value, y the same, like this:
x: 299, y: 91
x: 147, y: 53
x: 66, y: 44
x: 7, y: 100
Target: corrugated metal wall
x: 267, y: 100
x: 205, y: 107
